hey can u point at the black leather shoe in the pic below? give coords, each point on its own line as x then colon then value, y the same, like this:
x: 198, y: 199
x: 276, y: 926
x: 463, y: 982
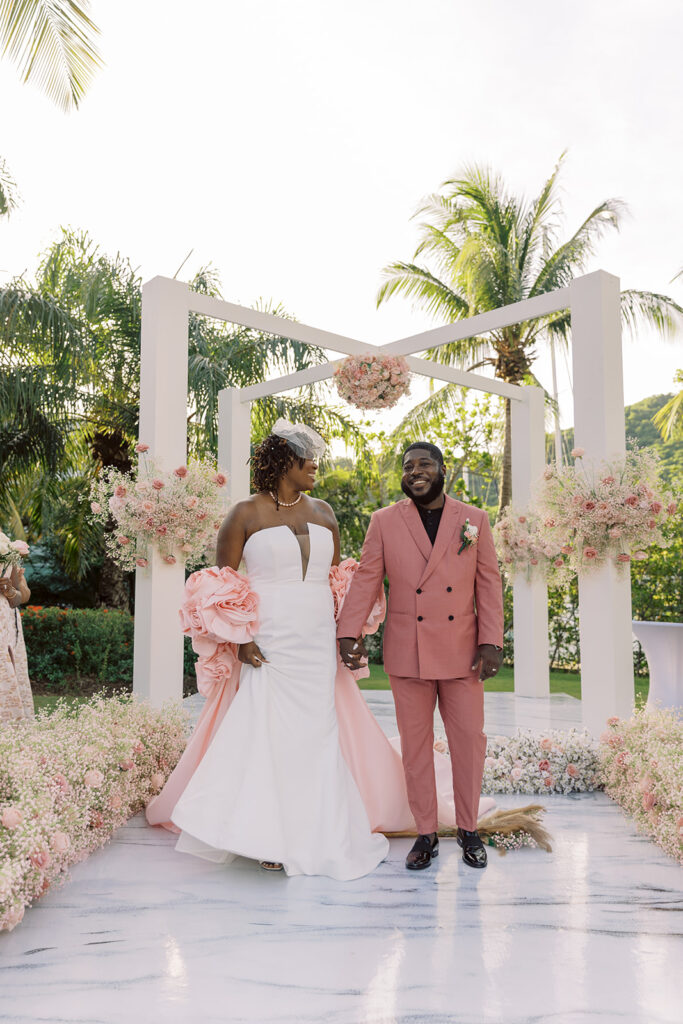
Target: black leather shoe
x: 473, y: 850
x: 423, y: 852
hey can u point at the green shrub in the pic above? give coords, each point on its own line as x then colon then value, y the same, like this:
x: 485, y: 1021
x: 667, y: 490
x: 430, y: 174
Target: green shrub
x: 76, y: 649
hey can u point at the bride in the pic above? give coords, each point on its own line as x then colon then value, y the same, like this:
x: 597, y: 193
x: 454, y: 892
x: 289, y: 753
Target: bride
x: 298, y: 775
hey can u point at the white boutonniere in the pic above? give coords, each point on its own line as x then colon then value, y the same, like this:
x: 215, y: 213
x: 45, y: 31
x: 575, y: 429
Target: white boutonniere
x: 469, y: 535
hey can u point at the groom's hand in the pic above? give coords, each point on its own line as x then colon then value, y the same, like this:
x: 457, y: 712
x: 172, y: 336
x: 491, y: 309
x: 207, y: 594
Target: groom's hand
x: 352, y: 651
x: 488, y: 661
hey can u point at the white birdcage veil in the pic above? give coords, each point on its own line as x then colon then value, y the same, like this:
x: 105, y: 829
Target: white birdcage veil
x: 303, y: 440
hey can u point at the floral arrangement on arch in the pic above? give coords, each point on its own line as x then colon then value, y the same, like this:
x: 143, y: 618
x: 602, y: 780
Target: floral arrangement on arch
x: 595, y: 513
x: 643, y: 772
x: 524, y: 550
x: 178, y: 512
x: 372, y: 381
x: 68, y: 781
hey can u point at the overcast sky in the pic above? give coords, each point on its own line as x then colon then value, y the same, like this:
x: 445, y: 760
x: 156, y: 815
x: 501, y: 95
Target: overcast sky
x: 290, y: 141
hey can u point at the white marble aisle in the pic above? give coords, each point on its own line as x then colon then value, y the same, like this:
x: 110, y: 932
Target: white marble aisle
x: 140, y: 933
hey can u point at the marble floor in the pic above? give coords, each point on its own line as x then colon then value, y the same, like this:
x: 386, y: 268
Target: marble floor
x: 143, y: 934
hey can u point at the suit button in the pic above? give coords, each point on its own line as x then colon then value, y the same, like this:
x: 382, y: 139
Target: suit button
x: 451, y: 617
x: 419, y: 618
x: 449, y: 589
x: 418, y: 591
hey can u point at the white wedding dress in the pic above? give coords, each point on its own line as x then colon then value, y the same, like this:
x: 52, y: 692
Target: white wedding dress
x: 273, y: 785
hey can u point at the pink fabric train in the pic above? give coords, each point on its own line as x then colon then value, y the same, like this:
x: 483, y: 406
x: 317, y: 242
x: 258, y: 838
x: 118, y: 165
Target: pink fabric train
x: 220, y: 612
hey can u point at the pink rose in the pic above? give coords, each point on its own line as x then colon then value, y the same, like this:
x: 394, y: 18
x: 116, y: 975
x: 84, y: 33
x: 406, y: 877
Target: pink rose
x: 180, y: 472
x: 115, y: 802
x: 219, y: 604
x: 147, y: 506
x: 544, y: 765
x: 671, y: 508
x: 656, y: 507
x: 648, y: 801
x: 558, y: 563
x: 590, y: 553
x: 157, y: 484
x: 142, y: 447
x: 40, y: 859
x: 577, y: 453
x: 126, y: 764
x: 13, y: 917
x: 533, y: 561
x: 156, y: 781
x: 170, y: 559
x: 162, y: 530
x: 572, y: 771
x: 96, y: 819
x: 549, y: 781
x: 566, y: 549
x: 139, y: 747
x: 60, y: 842
x: 632, y: 500
x: 622, y: 759
x: 549, y: 523
x: 93, y: 778
x: 96, y: 507
x: 588, y: 505
x: 546, y: 743
x: 639, y: 556
x: 516, y: 774
x: 608, y: 480
x: 21, y: 546
x: 489, y: 762
x: 613, y: 720
x: 120, y: 491
x: 60, y: 781
x: 615, y: 740
x: 522, y: 519
x: 142, y: 563
x: 623, y: 557
x: 220, y: 479
x: 651, y: 524
x: 215, y: 669
x: 646, y: 783
x: 123, y: 540
x: 11, y: 817
x: 192, y: 501
x: 679, y: 826
x: 615, y: 532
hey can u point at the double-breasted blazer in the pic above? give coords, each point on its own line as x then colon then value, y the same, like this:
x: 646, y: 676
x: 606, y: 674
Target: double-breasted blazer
x: 442, y: 604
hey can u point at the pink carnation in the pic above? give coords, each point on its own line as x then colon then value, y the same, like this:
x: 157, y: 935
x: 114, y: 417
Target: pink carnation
x: 157, y: 484
x: 180, y: 472
x: 220, y: 479
x: 656, y: 507
x: 608, y: 480
x: 588, y: 505
x: 613, y: 720
x: 142, y: 447
x: 671, y: 508
x: 558, y: 563
x: 577, y: 453
x: 142, y: 563
x: 632, y: 500
x: 590, y: 553
x: 623, y: 557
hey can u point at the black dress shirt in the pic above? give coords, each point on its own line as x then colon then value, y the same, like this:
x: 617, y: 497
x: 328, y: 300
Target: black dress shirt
x: 431, y: 517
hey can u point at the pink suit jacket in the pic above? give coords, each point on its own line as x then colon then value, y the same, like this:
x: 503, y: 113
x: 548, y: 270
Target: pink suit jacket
x: 442, y: 604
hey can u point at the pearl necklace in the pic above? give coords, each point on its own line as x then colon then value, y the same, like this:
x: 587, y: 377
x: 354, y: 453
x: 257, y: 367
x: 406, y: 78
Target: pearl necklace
x: 285, y: 504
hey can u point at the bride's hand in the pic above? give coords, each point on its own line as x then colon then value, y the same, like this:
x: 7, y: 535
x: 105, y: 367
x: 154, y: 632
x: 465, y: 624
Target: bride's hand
x: 249, y: 654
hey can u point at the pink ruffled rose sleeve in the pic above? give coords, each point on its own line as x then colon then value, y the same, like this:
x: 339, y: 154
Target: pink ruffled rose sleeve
x: 216, y: 669
x: 340, y: 581
x: 219, y: 607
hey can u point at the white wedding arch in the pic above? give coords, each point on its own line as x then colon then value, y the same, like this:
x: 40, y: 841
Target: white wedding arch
x: 604, y: 597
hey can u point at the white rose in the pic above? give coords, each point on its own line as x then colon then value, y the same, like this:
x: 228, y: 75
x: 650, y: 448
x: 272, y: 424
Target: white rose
x: 5, y: 544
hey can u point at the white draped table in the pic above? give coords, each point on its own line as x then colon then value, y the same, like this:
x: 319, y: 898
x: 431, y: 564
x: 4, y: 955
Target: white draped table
x: 662, y: 643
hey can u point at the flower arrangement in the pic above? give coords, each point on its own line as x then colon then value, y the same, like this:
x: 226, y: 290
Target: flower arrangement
x: 642, y: 764
x: 524, y: 551
x: 607, y: 512
x: 178, y: 512
x: 11, y: 552
x: 371, y: 381
x: 68, y: 781
x: 549, y: 762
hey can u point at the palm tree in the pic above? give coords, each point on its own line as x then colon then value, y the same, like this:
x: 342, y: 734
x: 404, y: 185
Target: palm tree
x: 669, y: 419
x: 53, y: 42
x: 485, y: 247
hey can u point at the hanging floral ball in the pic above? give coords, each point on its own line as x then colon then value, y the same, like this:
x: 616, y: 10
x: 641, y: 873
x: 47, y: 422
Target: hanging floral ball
x: 373, y: 382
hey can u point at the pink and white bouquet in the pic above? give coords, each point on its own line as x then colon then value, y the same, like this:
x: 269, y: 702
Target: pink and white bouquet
x: 372, y: 381
x: 525, y: 551
x: 642, y: 765
x: 178, y: 512
x: 68, y: 781
x: 604, y: 512
x: 11, y: 552
x: 554, y: 761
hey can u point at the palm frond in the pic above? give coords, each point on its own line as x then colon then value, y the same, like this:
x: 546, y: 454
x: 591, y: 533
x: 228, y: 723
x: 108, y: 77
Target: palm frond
x: 669, y: 419
x: 428, y: 291
x: 53, y: 43
x: 9, y: 194
x: 658, y: 311
x: 561, y: 266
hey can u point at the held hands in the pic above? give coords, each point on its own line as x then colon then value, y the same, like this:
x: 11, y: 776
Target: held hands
x: 488, y: 661
x: 352, y: 651
x: 249, y: 654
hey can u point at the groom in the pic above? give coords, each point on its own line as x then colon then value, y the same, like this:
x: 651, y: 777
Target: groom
x: 443, y: 637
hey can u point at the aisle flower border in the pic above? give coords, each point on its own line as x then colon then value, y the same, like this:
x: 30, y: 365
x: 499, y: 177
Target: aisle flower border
x: 372, y: 381
x: 178, y: 512
x: 68, y: 781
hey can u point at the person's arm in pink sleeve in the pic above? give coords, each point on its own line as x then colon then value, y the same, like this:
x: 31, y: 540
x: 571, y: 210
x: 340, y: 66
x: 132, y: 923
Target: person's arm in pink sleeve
x: 363, y: 591
x: 488, y: 589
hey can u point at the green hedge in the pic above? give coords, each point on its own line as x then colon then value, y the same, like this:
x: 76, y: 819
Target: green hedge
x: 80, y: 648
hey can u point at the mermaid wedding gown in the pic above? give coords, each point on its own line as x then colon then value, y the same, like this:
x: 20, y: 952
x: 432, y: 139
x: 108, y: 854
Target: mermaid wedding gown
x: 273, y: 784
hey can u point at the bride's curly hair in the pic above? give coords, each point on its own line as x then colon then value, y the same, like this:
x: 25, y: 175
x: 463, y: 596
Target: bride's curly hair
x: 270, y: 461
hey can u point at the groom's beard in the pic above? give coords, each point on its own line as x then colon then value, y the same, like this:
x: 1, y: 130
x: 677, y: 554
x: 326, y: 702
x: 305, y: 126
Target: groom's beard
x: 429, y: 496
